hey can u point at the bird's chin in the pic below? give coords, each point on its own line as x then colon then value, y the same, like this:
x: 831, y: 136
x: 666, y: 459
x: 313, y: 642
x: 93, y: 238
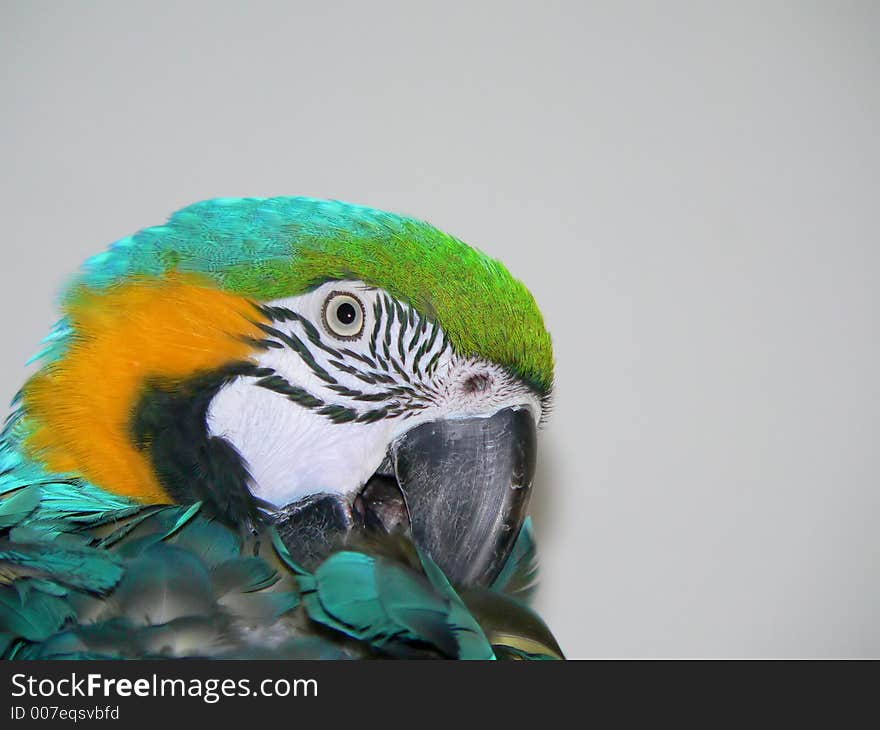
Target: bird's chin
x: 458, y: 489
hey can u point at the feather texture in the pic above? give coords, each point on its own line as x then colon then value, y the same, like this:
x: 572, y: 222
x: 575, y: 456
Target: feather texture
x: 268, y: 248
x: 168, y: 581
x: 87, y: 574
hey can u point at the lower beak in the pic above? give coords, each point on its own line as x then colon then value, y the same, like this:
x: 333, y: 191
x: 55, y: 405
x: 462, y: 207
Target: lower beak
x: 466, y: 483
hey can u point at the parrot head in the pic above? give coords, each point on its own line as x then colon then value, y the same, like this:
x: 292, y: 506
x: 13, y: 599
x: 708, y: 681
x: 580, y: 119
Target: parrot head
x: 322, y: 367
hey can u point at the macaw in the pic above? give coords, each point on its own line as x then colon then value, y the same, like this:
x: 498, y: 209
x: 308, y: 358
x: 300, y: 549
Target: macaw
x: 278, y: 428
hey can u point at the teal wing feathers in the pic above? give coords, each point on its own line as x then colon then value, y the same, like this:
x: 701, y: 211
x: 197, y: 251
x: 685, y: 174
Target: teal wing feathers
x: 85, y: 574
x: 388, y: 605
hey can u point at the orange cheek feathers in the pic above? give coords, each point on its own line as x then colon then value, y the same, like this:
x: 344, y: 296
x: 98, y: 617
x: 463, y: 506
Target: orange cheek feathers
x: 81, y: 406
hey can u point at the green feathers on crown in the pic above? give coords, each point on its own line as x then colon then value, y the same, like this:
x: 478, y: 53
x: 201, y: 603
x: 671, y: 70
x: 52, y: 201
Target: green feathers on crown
x: 270, y: 248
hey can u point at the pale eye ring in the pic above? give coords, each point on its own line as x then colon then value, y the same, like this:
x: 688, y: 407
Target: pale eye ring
x: 343, y: 315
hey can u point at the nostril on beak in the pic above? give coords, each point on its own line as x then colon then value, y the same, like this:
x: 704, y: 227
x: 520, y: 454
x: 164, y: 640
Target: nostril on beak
x: 477, y: 383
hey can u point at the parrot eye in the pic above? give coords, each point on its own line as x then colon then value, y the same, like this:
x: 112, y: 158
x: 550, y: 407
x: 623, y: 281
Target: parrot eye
x: 343, y: 315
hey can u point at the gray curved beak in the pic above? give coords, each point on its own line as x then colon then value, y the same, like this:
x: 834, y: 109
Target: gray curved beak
x: 466, y: 483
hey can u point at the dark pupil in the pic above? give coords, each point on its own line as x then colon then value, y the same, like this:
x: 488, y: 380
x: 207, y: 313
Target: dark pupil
x: 346, y: 313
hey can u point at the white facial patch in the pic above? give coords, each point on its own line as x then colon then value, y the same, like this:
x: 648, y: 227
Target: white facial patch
x: 324, y: 406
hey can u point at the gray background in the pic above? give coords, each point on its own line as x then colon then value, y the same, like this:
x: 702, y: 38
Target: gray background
x: 690, y: 190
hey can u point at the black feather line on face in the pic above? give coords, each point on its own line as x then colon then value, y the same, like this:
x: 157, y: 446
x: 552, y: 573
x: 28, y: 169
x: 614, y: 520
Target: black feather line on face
x: 402, y: 319
x: 297, y: 345
x: 432, y: 363
x: 346, y: 360
x: 170, y: 425
x: 357, y: 356
x: 400, y: 371
x: 279, y: 384
x: 419, y: 331
x: 389, y: 323
x: 293, y: 393
x: 377, y: 323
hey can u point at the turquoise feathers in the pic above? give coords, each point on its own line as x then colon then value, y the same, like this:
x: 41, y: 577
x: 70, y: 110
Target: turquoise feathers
x: 267, y: 248
x: 384, y: 603
x: 86, y: 573
x: 118, y: 580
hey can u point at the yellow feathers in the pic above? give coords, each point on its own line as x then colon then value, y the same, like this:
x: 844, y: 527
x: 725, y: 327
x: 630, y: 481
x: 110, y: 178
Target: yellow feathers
x: 81, y: 405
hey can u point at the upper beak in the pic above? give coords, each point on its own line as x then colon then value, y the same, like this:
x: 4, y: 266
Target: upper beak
x: 466, y: 483
x: 462, y: 488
